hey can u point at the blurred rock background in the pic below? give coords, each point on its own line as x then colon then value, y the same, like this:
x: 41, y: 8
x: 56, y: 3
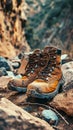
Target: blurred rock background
x: 12, y: 22
x: 26, y: 24
x: 49, y: 22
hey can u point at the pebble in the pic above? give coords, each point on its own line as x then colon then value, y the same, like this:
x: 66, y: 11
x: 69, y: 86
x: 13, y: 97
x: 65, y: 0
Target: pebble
x: 15, y: 65
x: 28, y: 109
x: 50, y: 116
x: 18, y: 76
x: 4, y: 63
x: 64, y: 56
x: 11, y: 74
x: 3, y: 71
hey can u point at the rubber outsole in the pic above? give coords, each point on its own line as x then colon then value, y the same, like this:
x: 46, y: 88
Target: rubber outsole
x: 35, y: 94
x: 48, y: 96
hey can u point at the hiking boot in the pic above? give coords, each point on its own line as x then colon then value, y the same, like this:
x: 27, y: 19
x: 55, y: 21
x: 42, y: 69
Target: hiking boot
x: 50, y: 79
x: 38, y: 60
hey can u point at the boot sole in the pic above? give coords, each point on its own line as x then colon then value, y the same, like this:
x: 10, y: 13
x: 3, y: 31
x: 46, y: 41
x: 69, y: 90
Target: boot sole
x: 19, y: 89
x: 48, y: 96
x: 35, y: 94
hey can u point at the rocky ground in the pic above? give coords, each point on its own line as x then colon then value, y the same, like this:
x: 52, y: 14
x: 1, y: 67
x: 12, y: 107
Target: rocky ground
x: 12, y: 116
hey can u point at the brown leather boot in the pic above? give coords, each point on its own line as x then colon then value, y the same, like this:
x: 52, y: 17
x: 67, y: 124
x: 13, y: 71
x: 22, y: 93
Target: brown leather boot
x: 50, y: 79
x: 38, y: 60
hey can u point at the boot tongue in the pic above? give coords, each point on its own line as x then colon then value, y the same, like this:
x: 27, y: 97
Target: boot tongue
x: 52, y: 64
x: 37, y: 61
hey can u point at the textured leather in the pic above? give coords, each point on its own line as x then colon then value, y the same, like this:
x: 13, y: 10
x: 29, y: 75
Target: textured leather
x: 49, y: 78
x: 38, y: 60
x: 42, y: 72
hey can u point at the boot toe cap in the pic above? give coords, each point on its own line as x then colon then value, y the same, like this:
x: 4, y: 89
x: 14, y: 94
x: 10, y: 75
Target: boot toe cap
x: 35, y: 90
x: 15, y: 86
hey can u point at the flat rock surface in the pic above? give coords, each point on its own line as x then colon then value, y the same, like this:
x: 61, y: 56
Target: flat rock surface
x: 64, y: 102
x: 13, y: 117
x: 67, y: 70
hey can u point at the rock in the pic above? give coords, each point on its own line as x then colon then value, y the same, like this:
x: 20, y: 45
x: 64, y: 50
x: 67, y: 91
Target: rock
x: 4, y: 81
x: 18, y: 76
x: 4, y: 63
x: 67, y: 70
x: 64, y: 102
x: 13, y: 117
x: 7, y: 50
x: 3, y: 71
x: 68, y: 65
x: 12, y: 34
x: 10, y: 74
x: 38, y: 16
x: 16, y: 65
x: 64, y: 56
x: 28, y: 109
x: 50, y: 116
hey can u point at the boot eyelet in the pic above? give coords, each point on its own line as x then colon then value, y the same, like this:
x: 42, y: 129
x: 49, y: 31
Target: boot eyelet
x: 37, y: 54
x: 50, y: 70
x: 36, y: 66
x: 49, y: 74
x: 53, y: 67
x: 31, y: 72
x: 47, y: 79
x: 54, y: 57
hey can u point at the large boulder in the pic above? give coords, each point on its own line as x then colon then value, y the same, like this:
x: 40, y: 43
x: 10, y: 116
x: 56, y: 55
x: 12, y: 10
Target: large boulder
x: 67, y: 70
x: 4, y: 63
x: 64, y: 102
x: 12, y: 23
x: 13, y: 117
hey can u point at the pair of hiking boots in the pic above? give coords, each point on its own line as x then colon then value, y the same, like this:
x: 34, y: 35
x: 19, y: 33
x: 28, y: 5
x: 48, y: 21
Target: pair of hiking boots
x: 43, y: 75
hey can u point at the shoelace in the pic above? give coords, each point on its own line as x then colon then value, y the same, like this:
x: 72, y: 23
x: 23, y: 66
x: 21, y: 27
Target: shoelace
x: 36, y: 61
x: 52, y: 64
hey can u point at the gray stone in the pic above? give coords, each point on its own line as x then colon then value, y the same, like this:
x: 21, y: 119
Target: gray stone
x: 67, y: 70
x: 15, y: 65
x: 50, y: 116
x: 18, y: 76
x: 13, y: 117
x: 11, y: 74
x: 64, y: 56
x: 4, y: 63
x: 3, y: 71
